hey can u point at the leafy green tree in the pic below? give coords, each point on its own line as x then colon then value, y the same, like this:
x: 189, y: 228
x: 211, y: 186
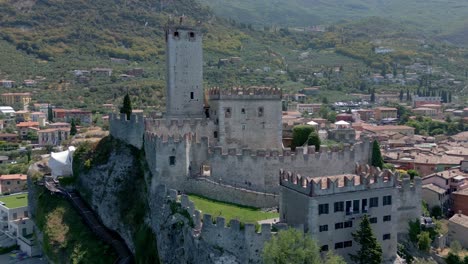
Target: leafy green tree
x: 300, y: 135
x: 127, y: 106
x: 436, y: 211
x: 314, y: 140
x: 292, y: 246
x: 401, y: 95
x: 372, y: 97
x: 453, y: 258
x: 377, y: 160
x: 370, y: 251
x: 412, y: 173
x: 424, y: 241
x: 455, y: 247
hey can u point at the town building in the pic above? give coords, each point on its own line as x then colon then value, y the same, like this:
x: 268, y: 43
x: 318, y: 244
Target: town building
x: 375, y: 130
x: 419, y: 101
x: 12, y: 138
x: 330, y: 208
x: 458, y: 229
x: 382, y: 113
x: 16, y: 99
x: 25, y: 127
x: 13, y: 183
x: 7, y: 111
x: 53, y: 136
x: 310, y: 91
x: 425, y: 111
x: 435, y: 196
x: 309, y: 108
x: 103, y: 72
x: 82, y: 117
x: 7, y: 83
x: 16, y: 228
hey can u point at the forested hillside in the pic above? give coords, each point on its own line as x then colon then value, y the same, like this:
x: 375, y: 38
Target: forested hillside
x: 435, y: 17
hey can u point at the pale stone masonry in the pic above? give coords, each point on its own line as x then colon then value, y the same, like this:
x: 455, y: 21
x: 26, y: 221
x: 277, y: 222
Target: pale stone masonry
x: 331, y: 208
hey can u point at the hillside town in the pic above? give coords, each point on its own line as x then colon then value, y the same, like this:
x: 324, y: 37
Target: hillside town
x: 218, y: 174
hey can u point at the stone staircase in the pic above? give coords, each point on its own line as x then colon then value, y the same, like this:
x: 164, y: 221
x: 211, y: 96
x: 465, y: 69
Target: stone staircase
x: 6, y: 241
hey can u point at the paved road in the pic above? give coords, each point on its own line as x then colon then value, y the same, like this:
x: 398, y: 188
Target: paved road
x: 7, y: 259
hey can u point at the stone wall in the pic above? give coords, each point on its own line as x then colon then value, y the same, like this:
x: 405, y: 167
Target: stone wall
x: 409, y: 203
x: 231, y: 194
x: 130, y: 131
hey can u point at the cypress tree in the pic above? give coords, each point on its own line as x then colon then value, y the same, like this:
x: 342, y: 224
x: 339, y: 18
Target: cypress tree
x: 50, y: 114
x: 377, y: 160
x: 370, y: 251
x: 126, y: 107
x: 401, y: 95
x: 372, y: 96
x: 73, y: 129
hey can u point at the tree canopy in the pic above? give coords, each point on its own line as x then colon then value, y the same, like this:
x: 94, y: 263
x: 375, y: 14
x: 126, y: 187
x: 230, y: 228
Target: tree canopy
x: 301, y: 134
x: 314, y: 140
x: 73, y: 129
x: 127, y: 106
x: 292, y: 246
x: 370, y: 251
x: 377, y: 160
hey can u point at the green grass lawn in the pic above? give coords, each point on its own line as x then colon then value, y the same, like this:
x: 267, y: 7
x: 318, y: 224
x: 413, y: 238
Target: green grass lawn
x: 230, y: 211
x: 15, y: 200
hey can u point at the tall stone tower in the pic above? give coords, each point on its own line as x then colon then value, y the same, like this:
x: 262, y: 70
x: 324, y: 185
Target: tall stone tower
x: 184, y: 58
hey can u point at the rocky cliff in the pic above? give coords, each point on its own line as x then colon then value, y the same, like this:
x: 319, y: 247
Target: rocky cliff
x: 114, y: 179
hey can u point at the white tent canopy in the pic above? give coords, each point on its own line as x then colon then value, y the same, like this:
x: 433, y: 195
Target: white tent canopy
x: 342, y: 123
x: 60, y: 163
x: 312, y: 123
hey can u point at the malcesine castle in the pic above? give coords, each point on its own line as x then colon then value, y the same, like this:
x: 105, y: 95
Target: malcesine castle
x: 222, y: 143
x: 226, y: 144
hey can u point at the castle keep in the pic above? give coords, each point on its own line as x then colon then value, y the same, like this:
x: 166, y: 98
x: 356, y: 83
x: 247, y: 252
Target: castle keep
x: 224, y: 144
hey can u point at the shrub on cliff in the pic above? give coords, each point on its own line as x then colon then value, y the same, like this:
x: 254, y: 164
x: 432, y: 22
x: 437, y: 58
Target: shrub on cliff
x: 292, y: 246
x: 126, y: 107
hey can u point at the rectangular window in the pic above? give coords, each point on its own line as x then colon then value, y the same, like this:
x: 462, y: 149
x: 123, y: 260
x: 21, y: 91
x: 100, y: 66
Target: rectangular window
x: 348, y: 224
x: 243, y: 126
x: 348, y: 207
x: 339, y: 225
x: 323, y: 228
x: 339, y: 245
x: 348, y: 244
x: 191, y: 95
x: 324, y: 248
x: 356, y: 206
x: 339, y: 206
x: 374, y: 202
x: 387, y: 200
x: 243, y: 110
x: 364, y: 206
x: 373, y: 220
x: 260, y: 111
x: 386, y: 237
x: 323, y: 209
x: 387, y: 218
x: 26, y: 214
x: 172, y: 160
x: 227, y: 113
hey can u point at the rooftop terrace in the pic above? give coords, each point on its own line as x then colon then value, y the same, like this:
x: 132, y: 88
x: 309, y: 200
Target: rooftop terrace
x: 15, y: 200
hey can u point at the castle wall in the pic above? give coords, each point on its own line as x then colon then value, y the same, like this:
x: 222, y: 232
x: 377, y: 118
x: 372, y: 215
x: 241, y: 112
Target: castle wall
x: 168, y: 158
x: 231, y: 194
x: 258, y: 170
x: 184, y: 59
x: 248, y: 120
x: 409, y: 203
x: 130, y: 131
x: 210, y: 234
x: 198, y: 127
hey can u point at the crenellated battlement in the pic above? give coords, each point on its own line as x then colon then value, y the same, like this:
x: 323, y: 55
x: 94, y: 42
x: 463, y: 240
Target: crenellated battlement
x: 245, y: 93
x: 198, y: 127
x: 308, y: 152
x: 366, y: 177
x: 130, y: 131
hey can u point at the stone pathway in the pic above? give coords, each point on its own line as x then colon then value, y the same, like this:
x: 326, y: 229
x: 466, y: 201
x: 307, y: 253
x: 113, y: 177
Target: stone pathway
x: 269, y: 221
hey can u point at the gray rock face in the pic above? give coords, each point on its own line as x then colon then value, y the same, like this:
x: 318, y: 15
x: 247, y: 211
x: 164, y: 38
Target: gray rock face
x: 111, y: 189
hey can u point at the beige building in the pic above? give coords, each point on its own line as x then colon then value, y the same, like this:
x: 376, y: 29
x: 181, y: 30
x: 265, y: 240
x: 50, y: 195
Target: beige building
x: 53, y: 136
x: 382, y: 113
x: 434, y: 196
x: 405, y: 130
x: 425, y: 111
x: 12, y: 183
x: 458, y: 229
x: 16, y: 98
x: 330, y: 208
